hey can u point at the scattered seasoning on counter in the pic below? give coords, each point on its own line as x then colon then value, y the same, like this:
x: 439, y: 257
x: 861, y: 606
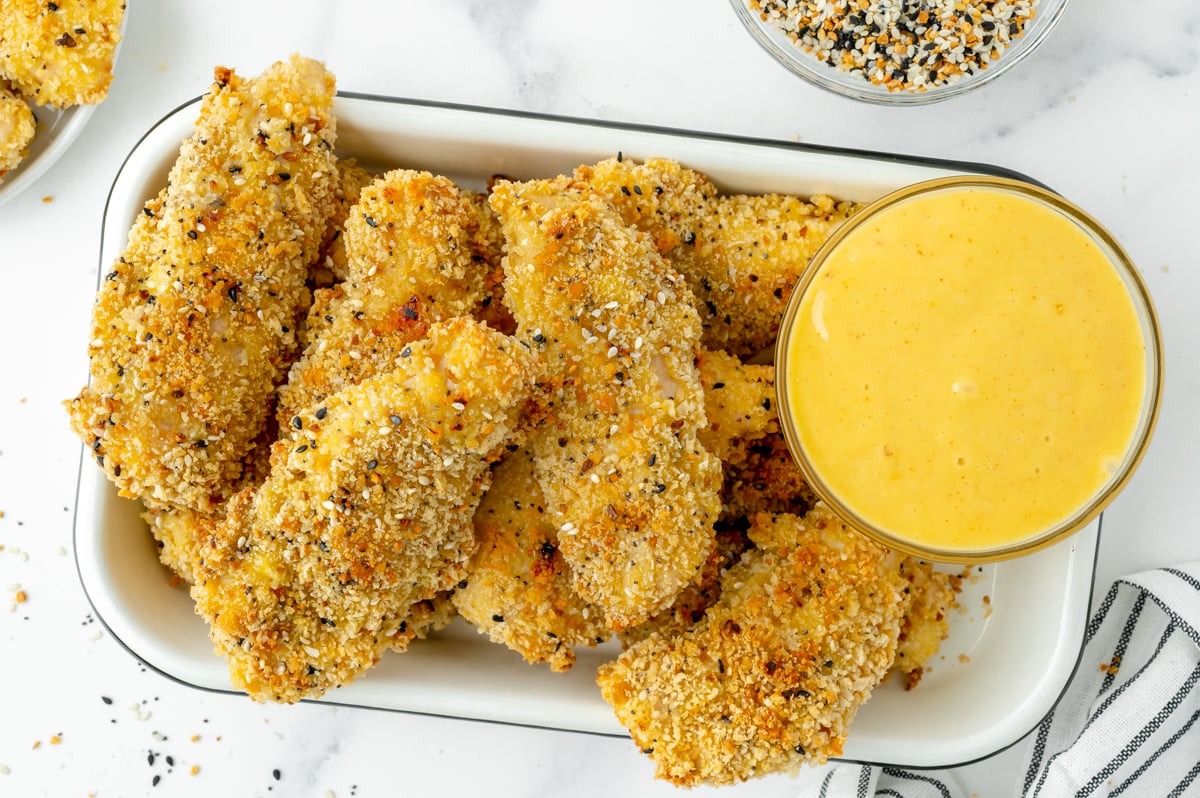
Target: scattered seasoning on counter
x: 900, y: 45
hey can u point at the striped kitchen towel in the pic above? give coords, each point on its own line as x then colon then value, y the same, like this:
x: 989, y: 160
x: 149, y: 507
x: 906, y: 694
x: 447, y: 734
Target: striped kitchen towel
x: 1128, y: 722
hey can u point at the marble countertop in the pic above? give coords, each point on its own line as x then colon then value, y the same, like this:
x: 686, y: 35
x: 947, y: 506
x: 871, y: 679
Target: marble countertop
x: 1106, y: 113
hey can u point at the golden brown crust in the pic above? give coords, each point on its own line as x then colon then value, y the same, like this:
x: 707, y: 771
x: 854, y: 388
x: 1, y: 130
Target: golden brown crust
x: 762, y: 477
x: 806, y: 627
x: 518, y: 587
x: 629, y: 485
x: 332, y: 266
x: 367, y: 511
x: 408, y: 262
x: 195, y: 324
x: 61, y: 53
x: 17, y: 127
x: 741, y: 255
x: 739, y: 401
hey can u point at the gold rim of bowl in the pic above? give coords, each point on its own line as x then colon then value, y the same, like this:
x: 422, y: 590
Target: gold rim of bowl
x: 1147, y: 316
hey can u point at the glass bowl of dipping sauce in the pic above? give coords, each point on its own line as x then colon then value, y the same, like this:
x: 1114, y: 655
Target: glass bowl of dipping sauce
x: 969, y: 370
x: 899, y: 53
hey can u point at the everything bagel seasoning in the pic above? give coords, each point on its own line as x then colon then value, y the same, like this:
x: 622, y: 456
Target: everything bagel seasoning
x: 903, y: 45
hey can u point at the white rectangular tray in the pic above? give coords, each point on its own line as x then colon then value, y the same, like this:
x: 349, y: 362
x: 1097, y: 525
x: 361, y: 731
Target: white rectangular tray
x: 1009, y: 655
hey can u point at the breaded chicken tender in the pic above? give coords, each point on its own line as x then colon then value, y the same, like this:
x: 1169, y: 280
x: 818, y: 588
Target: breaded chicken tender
x: 367, y: 511
x: 761, y: 476
x: 741, y: 254
x: 806, y: 627
x: 628, y: 483
x: 352, y: 179
x: 738, y: 401
x: 178, y: 530
x: 694, y: 600
x: 195, y: 324
x: 17, y: 127
x: 518, y: 587
x: 409, y: 262
x: 61, y: 53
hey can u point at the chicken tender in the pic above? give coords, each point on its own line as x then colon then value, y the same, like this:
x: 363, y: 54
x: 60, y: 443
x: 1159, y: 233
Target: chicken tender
x: 60, y: 54
x: 693, y: 601
x: 806, y: 627
x: 367, y: 511
x: 741, y: 254
x: 629, y: 485
x: 518, y: 587
x: 196, y: 322
x: 17, y: 127
x: 761, y: 476
x: 409, y: 262
x: 738, y: 401
x: 333, y: 266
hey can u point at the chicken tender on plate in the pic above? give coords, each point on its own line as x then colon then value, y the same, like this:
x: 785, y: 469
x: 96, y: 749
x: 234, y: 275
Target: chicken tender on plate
x: 367, y: 511
x: 60, y: 54
x: 518, y: 586
x: 195, y: 324
x: 741, y: 254
x: 770, y: 678
x: 17, y: 127
x: 761, y: 476
x: 409, y: 261
x: 332, y: 266
x: 738, y: 401
x: 629, y: 485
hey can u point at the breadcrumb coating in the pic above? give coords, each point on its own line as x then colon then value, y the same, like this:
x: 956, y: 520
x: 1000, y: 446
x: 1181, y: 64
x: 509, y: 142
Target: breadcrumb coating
x: 932, y: 594
x: 352, y: 179
x: 489, y: 249
x: 409, y: 262
x: 761, y: 476
x: 195, y: 324
x: 518, y: 587
x: 60, y: 54
x: 806, y: 627
x: 738, y: 401
x: 367, y: 511
x: 690, y: 605
x: 17, y: 126
x: 632, y: 490
x: 741, y: 254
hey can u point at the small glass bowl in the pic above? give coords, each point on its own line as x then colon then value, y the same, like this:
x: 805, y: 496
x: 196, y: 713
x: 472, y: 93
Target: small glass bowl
x: 1151, y: 334
x: 854, y: 85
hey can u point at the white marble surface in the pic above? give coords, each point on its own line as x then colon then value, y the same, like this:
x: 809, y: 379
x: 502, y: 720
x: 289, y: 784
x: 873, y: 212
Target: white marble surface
x: 1106, y: 113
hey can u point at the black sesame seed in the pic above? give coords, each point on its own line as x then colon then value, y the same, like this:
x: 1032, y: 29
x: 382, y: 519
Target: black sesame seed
x: 297, y: 422
x: 659, y: 488
x: 396, y: 420
x: 192, y: 234
x: 370, y: 221
x: 372, y: 464
x: 498, y: 618
x: 276, y: 774
x: 321, y: 411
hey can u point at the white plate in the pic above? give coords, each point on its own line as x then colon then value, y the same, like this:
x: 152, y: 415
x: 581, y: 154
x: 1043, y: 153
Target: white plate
x: 1008, y: 657
x: 56, y: 131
